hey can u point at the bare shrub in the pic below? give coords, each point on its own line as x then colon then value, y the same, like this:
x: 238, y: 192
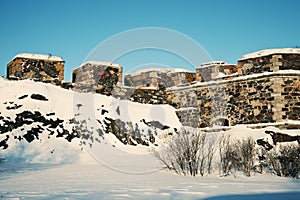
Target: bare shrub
x: 285, y: 160
x: 184, y: 153
x: 273, y: 162
x: 246, y: 149
x: 236, y: 155
x: 289, y: 159
x: 191, y: 152
x: 228, y: 155
x: 262, y: 165
x: 211, y: 150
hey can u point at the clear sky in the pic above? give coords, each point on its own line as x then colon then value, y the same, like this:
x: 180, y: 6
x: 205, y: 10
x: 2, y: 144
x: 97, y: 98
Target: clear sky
x: 71, y: 28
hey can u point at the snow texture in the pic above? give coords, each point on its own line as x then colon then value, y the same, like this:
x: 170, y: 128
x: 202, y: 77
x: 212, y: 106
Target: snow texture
x: 239, y: 78
x: 270, y: 52
x: 99, y: 63
x: 35, y: 130
x: 212, y: 63
x: 38, y: 57
x: 163, y: 70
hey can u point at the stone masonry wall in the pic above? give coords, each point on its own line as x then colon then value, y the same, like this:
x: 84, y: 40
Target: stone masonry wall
x: 97, y: 78
x: 263, y: 99
x: 208, y: 73
x: 143, y: 95
x: 155, y: 77
x: 290, y: 94
x: 290, y: 61
x: 270, y: 63
x: 39, y: 70
x: 232, y: 98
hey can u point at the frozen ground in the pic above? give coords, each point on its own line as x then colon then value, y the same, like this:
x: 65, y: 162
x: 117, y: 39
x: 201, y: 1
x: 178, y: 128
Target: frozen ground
x: 94, y: 181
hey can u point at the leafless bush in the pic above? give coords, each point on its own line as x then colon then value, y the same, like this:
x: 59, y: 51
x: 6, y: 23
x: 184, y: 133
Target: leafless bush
x: 262, y: 165
x: 273, y: 162
x: 284, y: 160
x: 228, y: 155
x: 246, y: 151
x: 211, y: 150
x: 184, y: 153
x: 236, y: 155
x: 289, y: 159
x: 192, y: 152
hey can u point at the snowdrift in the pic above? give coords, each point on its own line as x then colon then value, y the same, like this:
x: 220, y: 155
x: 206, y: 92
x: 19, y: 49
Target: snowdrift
x: 44, y: 123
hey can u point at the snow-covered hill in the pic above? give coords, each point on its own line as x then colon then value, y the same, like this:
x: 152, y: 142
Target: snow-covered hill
x: 44, y: 123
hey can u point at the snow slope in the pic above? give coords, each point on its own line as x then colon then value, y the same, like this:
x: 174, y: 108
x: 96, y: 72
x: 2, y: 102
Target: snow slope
x: 45, y: 123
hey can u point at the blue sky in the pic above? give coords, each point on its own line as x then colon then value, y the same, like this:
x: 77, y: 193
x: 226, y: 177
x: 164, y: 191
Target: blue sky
x: 71, y: 29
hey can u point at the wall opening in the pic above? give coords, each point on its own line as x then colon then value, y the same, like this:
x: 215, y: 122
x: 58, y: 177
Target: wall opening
x: 221, y: 122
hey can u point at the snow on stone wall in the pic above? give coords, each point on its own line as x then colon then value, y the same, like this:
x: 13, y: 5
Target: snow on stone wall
x: 267, y: 98
x: 38, y: 67
x: 269, y: 63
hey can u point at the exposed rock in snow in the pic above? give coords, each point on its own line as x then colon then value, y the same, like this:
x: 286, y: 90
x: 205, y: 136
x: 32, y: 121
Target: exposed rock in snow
x: 55, y: 122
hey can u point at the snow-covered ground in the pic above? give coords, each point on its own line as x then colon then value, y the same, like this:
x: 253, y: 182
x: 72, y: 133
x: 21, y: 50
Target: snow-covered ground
x: 53, y: 166
x: 95, y: 181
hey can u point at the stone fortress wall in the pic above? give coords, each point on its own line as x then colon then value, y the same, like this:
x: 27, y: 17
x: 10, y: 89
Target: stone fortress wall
x: 95, y: 76
x: 261, y: 99
x: 264, y: 87
x: 167, y: 77
x: 46, y: 68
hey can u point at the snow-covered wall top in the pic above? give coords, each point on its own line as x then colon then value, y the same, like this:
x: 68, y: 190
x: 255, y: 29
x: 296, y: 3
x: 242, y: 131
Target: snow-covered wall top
x: 270, y: 60
x: 212, y: 63
x: 46, y: 68
x: 267, y: 52
x: 99, y: 63
x: 39, y: 57
x: 163, y: 70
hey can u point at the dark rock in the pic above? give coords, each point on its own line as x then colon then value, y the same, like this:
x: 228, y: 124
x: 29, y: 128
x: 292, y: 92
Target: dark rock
x: 39, y: 97
x: 33, y: 134
x: 265, y: 144
x: 23, y: 97
x: 50, y: 114
x: 14, y: 107
x: 282, y: 137
x: 103, y: 111
x: 3, y: 143
x: 118, y: 110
